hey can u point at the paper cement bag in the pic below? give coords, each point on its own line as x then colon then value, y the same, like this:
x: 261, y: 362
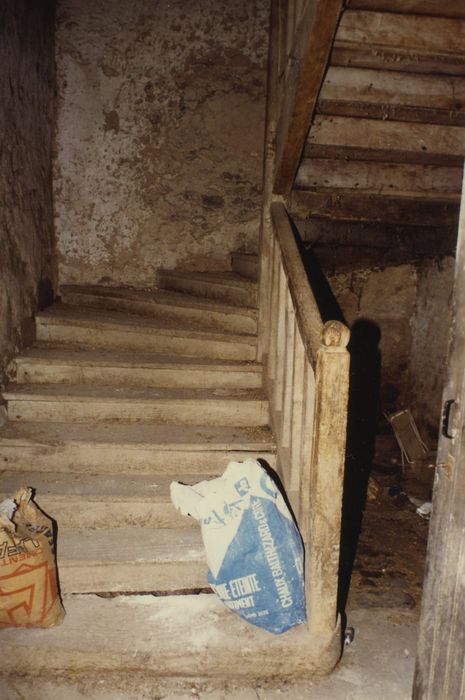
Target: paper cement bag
x: 28, y: 577
x: 253, y: 547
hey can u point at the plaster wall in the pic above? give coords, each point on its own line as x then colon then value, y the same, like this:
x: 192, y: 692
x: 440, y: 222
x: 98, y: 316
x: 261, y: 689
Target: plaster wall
x: 160, y: 135
x: 386, y: 299
x: 430, y: 324
x: 27, y: 267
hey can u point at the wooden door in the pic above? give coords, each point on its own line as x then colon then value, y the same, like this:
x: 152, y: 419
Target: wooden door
x: 440, y: 665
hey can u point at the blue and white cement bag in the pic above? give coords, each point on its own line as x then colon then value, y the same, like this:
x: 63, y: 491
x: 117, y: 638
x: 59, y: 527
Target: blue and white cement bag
x: 253, y: 547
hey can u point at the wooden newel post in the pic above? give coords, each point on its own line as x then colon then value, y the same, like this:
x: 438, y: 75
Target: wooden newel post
x: 321, y: 506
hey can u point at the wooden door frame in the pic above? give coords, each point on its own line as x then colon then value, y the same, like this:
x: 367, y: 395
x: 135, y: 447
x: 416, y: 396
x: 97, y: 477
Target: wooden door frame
x: 440, y: 667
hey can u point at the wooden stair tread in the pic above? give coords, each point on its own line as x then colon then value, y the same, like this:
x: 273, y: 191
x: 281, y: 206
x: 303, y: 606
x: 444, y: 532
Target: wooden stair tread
x: 132, y: 545
x: 115, y: 488
x: 183, y: 635
x: 222, y: 279
x: 159, y: 296
x: 58, y: 354
x: 155, y: 436
x: 130, y: 559
x: 104, y: 501
x: 121, y: 321
x: 39, y: 392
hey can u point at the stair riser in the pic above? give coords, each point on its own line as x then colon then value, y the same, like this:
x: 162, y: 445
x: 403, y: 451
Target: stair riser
x: 230, y: 295
x: 206, y: 319
x: 76, y: 512
x: 108, y: 577
x: 89, y: 459
x: 189, y: 412
x: 181, y: 377
x: 123, y: 340
x: 245, y: 265
x: 188, y: 637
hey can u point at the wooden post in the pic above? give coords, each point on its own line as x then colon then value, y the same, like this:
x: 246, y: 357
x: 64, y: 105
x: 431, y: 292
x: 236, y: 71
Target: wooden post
x: 326, y: 477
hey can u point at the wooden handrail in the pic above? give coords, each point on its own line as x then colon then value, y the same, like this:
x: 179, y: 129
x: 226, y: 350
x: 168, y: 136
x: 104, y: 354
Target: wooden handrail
x: 307, y: 313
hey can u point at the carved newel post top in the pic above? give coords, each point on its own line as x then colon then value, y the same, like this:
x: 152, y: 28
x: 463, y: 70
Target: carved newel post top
x: 335, y: 334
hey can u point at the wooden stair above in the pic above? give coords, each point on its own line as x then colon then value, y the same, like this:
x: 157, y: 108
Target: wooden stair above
x: 387, y: 141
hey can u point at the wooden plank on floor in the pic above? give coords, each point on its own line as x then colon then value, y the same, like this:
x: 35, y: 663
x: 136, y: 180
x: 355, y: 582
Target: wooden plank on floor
x: 397, y: 96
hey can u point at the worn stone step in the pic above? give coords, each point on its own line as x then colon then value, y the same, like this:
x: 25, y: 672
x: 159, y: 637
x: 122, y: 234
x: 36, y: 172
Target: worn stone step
x: 184, y: 635
x: 112, y: 329
x: 205, y: 313
x: 130, y: 449
x: 103, y: 501
x: 223, y: 286
x: 245, y: 264
x: 46, y: 363
x: 130, y: 559
x: 70, y: 403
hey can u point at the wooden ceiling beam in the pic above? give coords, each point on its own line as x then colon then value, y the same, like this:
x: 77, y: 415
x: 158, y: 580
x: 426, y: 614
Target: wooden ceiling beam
x: 307, y: 61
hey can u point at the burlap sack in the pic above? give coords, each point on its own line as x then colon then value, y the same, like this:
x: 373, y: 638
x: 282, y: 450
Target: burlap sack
x: 28, y: 577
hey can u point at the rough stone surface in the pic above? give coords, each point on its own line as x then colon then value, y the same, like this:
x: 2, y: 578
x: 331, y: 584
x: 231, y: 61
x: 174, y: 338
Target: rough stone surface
x: 27, y: 268
x: 430, y: 324
x: 160, y: 134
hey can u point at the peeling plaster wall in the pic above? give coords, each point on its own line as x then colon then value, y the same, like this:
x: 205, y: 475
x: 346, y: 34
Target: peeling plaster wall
x: 27, y: 267
x: 160, y: 135
x: 430, y: 323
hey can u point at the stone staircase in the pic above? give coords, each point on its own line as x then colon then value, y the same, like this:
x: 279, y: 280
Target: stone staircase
x: 124, y: 391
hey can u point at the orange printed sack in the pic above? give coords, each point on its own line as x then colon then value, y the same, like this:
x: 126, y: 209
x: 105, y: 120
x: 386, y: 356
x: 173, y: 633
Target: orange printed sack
x: 28, y: 577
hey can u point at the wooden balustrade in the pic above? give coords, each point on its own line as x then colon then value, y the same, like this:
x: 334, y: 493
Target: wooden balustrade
x: 307, y: 377
x: 306, y: 361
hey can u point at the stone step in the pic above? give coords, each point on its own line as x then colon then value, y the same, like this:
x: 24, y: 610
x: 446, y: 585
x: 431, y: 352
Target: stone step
x: 177, y: 636
x: 130, y: 559
x: 245, y: 264
x: 205, y: 313
x: 69, y: 403
x: 222, y: 286
x: 46, y: 363
x: 130, y: 449
x: 103, y: 501
x: 117, y: 330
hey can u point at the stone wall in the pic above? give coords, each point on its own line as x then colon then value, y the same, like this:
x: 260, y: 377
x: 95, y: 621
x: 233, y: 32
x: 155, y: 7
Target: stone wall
x: 27, y: 268
x: 160, y: 135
